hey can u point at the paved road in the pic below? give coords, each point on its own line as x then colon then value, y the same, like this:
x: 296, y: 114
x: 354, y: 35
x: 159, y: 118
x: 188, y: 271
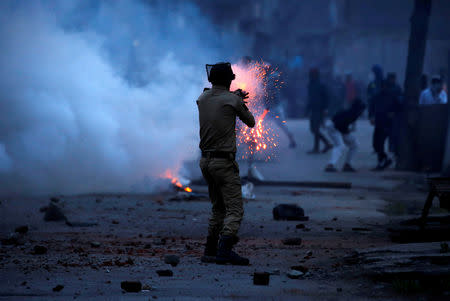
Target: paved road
x: 130, y: 226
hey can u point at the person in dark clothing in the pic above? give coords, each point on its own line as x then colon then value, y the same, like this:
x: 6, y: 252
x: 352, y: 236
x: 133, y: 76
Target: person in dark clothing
x: 373, y: 89
x: 395, y: 92
x: 316, y: 108
x: 384, y: 107
x: 341, y: 134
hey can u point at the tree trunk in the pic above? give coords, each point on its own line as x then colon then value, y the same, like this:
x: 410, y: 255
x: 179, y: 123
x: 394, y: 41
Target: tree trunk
x: 414, y: 69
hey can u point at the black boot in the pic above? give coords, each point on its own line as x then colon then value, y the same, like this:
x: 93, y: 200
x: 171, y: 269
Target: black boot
x: 226, y: 255
x: 210, y: 249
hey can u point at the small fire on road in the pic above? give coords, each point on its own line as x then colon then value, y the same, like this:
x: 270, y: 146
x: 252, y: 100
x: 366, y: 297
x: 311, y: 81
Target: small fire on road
x: 175, y: 180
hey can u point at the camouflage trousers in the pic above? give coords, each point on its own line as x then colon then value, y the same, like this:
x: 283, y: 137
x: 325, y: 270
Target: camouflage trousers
x: 224, y: 186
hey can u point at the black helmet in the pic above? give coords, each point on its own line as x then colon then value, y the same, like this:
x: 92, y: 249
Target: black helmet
x: 220, y: 72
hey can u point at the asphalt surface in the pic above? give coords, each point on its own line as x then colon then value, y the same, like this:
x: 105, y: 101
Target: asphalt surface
x: 135, y: 231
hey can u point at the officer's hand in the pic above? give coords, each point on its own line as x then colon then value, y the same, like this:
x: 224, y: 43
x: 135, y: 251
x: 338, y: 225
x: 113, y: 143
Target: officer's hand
x: 241, y: 93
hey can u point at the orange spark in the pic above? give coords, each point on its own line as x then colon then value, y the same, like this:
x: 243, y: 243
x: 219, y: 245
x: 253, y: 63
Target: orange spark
x: 254, y: 78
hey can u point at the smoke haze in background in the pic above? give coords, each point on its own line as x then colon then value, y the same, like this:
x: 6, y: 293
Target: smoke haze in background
x: 97, y: 95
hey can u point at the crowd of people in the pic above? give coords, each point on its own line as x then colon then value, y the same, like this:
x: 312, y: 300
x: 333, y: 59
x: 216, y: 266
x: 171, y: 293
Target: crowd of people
x: 332, y: 122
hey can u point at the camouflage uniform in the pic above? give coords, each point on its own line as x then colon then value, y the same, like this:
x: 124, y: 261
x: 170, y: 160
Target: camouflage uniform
x: 218, y: 108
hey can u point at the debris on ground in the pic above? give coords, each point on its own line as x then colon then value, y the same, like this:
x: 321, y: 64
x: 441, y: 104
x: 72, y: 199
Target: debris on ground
x: 361, y: 229
x: 58, y: 288
x: 300, y: 268
x: 247, y: 191
x: 95, y: 244
x: 261, y: 278
x: 294, y: 274
x: 159, y: 241
x: 39, y: 250
x: 300, y: 226
x: 289, y: 212
x: 80, y: 224
x: 53, y: 213
x: 13, y: 239
x: 422, y: 263
x: 294, y: 241
x: 182, y: 196
x: 21, y: 229
x: 173, y: 260
x: 131, y: 286
x: 146, y: 287
x: 164, y: 273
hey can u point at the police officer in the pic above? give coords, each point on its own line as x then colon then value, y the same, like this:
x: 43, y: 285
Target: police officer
x: 218, y: 108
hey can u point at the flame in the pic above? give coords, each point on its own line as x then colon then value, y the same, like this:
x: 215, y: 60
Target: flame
x: 169, y: 174
x: 254, y: 78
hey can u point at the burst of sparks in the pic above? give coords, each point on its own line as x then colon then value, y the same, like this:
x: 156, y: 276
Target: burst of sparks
x: 255, y: 78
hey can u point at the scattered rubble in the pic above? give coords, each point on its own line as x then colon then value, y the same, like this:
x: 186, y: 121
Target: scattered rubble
x: 420, y: 262
x: 182, y: 196
x: 131, y: 286
x: 261, y: 278
x: 300, y: 268
x: 39, y: 250
x: 361, y: 229
x: 80, y: 224
x: 159, y: 241
x: 146, y: 287
x: 54, y: 200
x: 300, y: 226
x: 22, y: 229
x: 95, y: 244
x: 13, y: 239
x: 164, y: 273
x: 289, y: 212
x: 173, y: 260
x: 294, y: 274
x: 296, y: 241
x: 247, y: 191
x: 58, y: 288
x: 54, y: 213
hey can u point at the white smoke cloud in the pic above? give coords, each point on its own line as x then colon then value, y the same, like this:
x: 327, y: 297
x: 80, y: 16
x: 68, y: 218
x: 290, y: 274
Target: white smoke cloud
x: 94, y: 97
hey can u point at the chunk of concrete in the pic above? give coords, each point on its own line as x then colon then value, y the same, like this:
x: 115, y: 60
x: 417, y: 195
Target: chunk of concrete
x: 261, y: 278
x: 294, y: 274
x: 131, y: 286
x: 173, y: 260
x: 164, y: 273
x: 54, y: 213
x: 289, y: 212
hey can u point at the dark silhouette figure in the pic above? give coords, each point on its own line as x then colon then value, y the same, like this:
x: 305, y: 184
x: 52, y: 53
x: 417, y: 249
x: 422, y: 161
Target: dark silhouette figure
x: 316, y: 109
